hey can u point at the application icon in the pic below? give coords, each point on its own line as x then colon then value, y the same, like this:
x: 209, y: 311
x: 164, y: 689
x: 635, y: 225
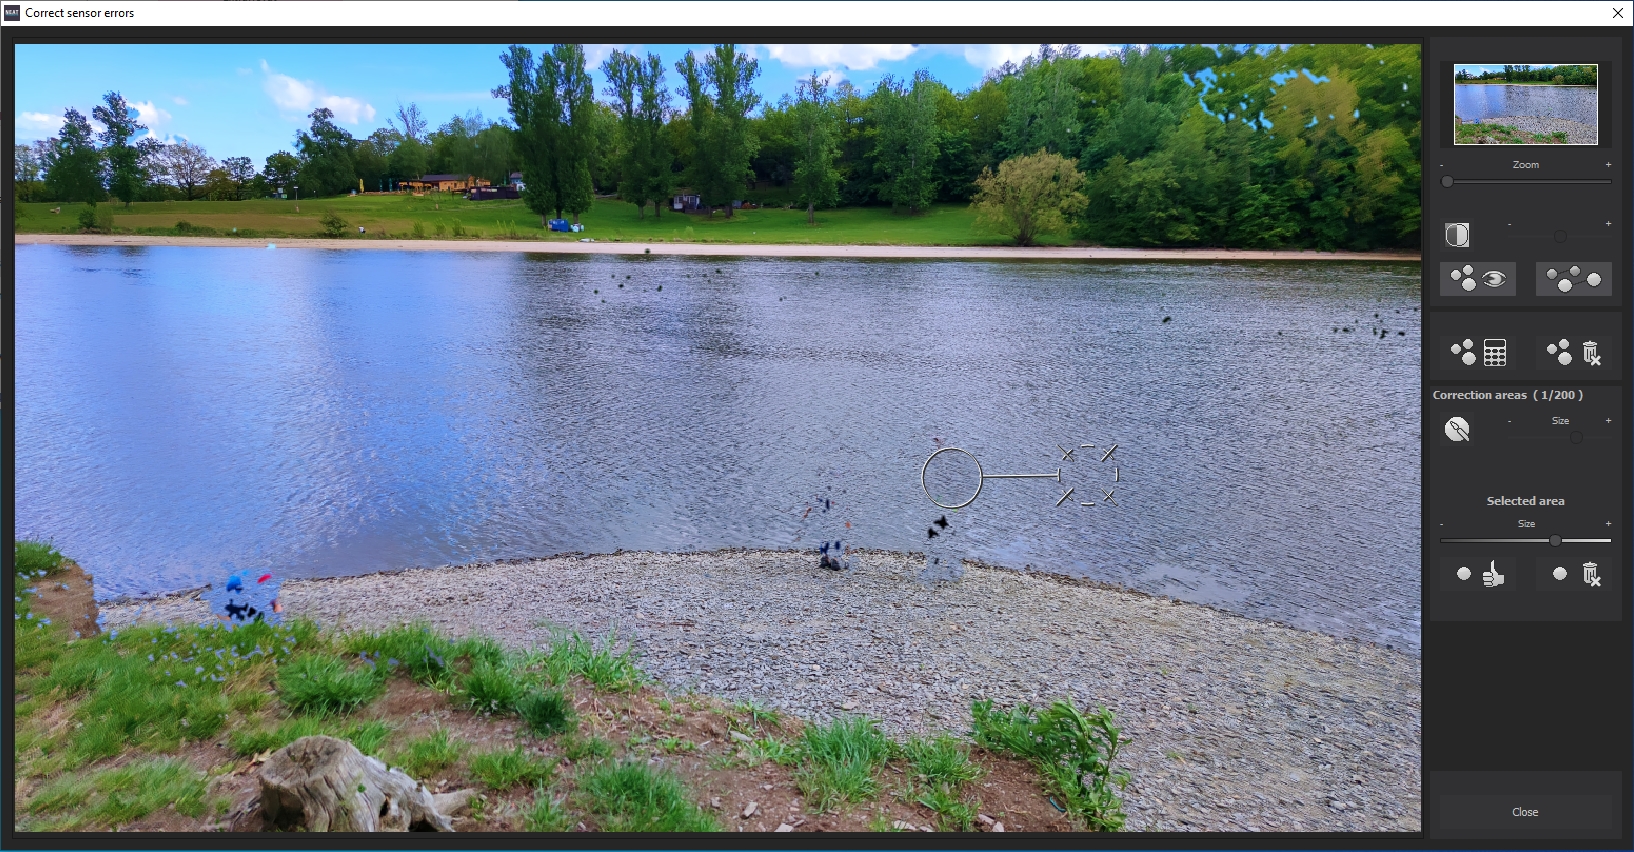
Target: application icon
x: 1457, y: 234
x: 1491, y: 578
x: 1591, y: 574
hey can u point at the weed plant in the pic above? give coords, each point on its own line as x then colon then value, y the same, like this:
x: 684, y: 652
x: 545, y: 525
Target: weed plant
x: 1073, y: 750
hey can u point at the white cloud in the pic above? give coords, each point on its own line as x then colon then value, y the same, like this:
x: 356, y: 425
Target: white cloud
x: 41, y: 122
x: 179, y: 100
x: 150, y: 115
x: 852, y: 56
x: 302, y: 96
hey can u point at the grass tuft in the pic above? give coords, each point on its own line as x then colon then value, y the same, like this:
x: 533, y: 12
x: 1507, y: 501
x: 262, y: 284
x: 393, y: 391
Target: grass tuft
x: 605, y: 668
x: 840, y: 761
x: 327, y: 685
x: 428, y: 755
x: 548, y: 813
x: 634, y: 796
x: 491, y: 688
x: 547, y: 712
x: 502, y: 770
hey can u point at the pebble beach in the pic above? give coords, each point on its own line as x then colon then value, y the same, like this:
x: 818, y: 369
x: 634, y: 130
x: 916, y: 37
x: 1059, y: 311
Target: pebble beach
x: 1233, y: 724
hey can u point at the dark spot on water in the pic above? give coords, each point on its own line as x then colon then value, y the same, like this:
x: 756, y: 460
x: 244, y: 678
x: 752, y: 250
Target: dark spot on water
x: 1166, y: 319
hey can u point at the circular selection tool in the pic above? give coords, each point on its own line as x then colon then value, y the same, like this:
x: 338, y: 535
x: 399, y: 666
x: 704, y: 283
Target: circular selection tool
x: 973, y: 473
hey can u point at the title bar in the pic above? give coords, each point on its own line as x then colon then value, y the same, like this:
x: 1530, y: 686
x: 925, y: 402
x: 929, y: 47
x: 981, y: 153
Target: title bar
x: 910, y: 14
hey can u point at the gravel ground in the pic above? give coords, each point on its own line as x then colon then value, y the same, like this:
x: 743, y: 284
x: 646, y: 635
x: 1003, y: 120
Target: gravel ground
x: 1235, y: 724
x: 1577, y: 133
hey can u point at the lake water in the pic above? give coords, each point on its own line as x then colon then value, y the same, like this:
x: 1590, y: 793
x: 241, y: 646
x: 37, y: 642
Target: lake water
x: 1478, y: 102
x: 184, y: 411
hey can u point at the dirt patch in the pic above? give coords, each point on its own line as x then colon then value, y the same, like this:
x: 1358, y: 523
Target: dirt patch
x: 67, y: 597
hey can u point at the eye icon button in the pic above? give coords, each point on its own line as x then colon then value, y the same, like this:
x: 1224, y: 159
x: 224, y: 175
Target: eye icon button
x: 1494, y: 278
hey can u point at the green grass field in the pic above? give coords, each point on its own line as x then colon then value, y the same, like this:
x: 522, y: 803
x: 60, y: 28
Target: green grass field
x: 452, y: 217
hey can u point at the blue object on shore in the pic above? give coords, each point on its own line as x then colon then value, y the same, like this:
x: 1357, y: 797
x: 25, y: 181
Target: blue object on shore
x: 272, y: 245
x: 560, y: 225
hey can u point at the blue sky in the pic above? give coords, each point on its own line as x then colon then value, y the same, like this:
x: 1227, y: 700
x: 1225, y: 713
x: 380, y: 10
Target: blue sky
x: 249, y: 100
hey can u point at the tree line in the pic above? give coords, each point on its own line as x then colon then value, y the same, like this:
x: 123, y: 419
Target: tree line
x: 1296, y: 145
x: 1568, y: 75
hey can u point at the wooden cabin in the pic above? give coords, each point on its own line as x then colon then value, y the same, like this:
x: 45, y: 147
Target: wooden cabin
x: 445, y: 183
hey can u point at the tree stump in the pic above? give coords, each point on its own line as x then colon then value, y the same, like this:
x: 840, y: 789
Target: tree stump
x: 325, y: 784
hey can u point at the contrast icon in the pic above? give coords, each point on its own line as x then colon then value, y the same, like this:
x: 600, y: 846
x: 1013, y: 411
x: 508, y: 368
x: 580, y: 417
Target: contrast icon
x: 1457, y: 234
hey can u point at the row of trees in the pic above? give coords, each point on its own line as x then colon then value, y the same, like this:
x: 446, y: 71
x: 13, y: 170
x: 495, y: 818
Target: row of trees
x: 1299, y: 145
x: 82, y: 164
x: 1570, y: 75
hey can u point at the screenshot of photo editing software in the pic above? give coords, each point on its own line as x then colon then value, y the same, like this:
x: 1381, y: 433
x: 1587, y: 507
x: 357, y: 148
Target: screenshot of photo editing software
x: 687, y: 424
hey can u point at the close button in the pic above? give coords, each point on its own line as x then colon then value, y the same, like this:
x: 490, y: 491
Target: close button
x: 1522, y: 812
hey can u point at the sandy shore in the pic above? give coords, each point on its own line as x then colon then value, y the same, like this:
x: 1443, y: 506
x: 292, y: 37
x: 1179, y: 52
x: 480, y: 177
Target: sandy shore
x: 723, y: 249
x: 1236, y: 724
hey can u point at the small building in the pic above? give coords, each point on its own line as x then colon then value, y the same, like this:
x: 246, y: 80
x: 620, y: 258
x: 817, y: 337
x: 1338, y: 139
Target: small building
x: 492, y: 193
x: 445, y: 183
x: 516, y: 181
x: 688, y: 204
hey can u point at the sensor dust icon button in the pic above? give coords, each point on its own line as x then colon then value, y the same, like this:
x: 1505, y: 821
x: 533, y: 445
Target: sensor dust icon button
x: 1477, y: 278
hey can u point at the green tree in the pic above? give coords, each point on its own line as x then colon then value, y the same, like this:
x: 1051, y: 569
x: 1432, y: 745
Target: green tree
x: 1029, y: 196
x: 124, y: 165
x: 73, y: 166
x: 27, y: 168
x: 816, y: 183
x: 623, y: 72
x: 282, y: 171
x: 658, y: 176
x: 552, y: 101
x: 577, y: 140
x: 1042, y: 104
x: 723, y: 137
x: 905, y: 144
x: 185, y: 166
x: 326, y: 156
x: 408, y: 161
x: 241, y: 173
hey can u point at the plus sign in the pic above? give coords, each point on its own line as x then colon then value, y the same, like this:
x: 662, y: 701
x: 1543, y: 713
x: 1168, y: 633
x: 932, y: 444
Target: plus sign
x: 1608, y: 523
x: 1608, y: 164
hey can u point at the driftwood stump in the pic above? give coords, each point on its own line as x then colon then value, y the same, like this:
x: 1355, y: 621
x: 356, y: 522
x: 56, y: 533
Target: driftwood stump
x: 325, y: 784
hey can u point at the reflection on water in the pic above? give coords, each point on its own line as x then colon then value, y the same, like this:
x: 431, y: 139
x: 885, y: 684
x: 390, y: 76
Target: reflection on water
x: 1478, y: 102
x: 185, y: 410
